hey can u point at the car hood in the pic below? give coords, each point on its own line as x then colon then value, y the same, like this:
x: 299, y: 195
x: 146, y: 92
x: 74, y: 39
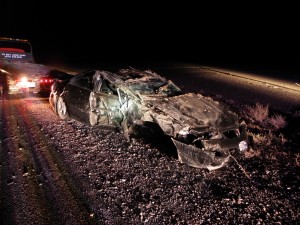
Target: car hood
x: 192, y: 111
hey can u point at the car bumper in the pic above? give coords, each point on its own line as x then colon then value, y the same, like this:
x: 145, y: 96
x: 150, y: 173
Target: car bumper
x: 214, y: 154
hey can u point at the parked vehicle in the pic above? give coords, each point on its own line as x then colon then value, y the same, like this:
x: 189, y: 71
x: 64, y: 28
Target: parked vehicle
x: 50, y: 77
x: 16, y: 58
x: 205, y: 132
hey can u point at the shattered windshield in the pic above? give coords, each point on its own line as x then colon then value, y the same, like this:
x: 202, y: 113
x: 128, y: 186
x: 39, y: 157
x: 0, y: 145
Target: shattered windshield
x: 148, y: 83
x: 155, y: 86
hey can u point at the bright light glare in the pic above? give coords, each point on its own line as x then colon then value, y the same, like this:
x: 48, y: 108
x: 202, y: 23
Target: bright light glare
x: 23, y: 82
x: 24, y: 79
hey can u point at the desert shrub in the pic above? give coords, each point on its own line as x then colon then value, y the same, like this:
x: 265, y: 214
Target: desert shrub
x: 257, y: 112
x: 277, y: 121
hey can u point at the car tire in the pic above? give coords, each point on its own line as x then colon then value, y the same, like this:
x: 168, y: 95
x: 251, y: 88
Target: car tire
x: 61, y: 109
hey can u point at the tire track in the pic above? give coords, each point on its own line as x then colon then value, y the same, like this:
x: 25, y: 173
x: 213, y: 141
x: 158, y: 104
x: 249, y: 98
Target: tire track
x: 5, y: 205
x: 20, y: 189
x: 45, y: 194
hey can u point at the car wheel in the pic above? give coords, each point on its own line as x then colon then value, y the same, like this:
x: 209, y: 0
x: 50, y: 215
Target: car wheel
x: 62, y: 109
x: 93, y: 118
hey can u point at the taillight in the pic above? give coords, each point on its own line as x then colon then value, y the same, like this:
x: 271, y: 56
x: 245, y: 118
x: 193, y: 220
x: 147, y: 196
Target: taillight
x: 46, y: 80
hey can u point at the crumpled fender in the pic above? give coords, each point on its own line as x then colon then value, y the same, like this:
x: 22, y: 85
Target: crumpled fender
x: 199, y: 158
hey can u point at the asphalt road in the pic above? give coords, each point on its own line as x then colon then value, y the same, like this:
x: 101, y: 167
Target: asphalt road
x: 278, y: 89
x: 244, y: 88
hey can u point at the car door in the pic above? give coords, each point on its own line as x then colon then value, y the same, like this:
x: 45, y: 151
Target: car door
x: 76, y: 96
x: 107, y: 103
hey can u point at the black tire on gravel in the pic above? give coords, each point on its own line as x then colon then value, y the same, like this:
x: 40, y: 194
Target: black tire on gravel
x: 61, y: 108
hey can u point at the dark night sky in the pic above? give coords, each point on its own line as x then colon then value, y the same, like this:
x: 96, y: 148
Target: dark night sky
x: 241, y: 34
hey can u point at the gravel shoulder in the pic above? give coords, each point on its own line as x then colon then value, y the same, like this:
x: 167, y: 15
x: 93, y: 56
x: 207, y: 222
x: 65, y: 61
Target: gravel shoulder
x: 64, y: 172
x: 57, y: 172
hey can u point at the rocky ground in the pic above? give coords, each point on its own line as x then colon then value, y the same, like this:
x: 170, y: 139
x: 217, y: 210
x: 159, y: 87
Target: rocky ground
x: 56, y: 172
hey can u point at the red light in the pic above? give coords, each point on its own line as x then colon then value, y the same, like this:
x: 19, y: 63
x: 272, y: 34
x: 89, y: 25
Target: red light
x: 44, y: 80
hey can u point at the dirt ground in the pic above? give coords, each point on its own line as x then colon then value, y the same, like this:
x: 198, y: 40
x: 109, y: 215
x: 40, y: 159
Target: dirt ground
x: 57, y: 172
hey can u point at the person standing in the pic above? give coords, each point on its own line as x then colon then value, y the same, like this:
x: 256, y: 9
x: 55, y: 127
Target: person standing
x: 3, y: 86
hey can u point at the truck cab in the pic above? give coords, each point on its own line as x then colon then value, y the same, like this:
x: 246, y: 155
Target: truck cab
x: 14, y: 50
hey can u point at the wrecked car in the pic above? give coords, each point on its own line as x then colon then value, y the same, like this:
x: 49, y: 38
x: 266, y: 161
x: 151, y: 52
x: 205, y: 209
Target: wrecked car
x: 205, y: 132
